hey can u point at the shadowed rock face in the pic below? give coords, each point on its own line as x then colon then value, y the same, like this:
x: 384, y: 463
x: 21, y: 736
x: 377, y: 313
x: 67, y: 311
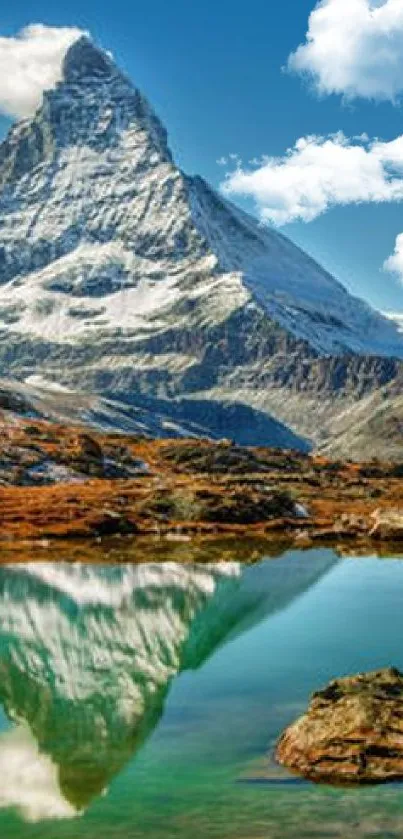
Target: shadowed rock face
x: 352, y: 732
x: 83, y: 59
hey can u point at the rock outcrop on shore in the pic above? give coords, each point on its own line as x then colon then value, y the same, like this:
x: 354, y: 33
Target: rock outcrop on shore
x: 387, y: 525
x: 352, y: 732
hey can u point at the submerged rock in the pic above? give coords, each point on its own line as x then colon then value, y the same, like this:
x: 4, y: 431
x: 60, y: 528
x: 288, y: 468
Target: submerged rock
x: 352, y: 732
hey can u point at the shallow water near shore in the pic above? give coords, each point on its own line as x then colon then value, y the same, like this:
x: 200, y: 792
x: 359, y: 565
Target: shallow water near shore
x: 145, y: 700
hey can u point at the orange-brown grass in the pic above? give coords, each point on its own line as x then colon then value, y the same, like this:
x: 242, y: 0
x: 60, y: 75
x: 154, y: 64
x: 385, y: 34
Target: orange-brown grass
x: 149, y: 504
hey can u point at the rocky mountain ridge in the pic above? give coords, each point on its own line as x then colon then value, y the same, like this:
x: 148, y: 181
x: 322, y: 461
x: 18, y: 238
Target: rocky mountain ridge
x: 123, y: 278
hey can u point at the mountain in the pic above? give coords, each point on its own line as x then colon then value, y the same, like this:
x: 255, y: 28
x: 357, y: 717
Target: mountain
x: 216, y: 419
x: 123, y: 278
x: 88, y: 655
x: 374, y: 425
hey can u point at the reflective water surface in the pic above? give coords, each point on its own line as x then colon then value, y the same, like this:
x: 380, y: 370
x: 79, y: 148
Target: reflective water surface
x: 145, y: 700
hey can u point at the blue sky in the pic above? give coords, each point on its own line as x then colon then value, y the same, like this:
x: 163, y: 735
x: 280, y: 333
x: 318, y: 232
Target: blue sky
x: 213, y: 73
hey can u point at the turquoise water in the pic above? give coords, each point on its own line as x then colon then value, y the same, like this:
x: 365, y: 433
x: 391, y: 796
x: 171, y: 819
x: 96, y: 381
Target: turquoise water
x: 145, y: 701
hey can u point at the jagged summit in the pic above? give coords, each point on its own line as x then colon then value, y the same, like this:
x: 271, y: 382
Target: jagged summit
x: 122, y: 277
x: 84, y: 58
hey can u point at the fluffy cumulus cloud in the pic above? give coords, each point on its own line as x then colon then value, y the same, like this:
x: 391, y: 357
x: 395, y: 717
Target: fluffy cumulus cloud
x: 30, y: 63
x: 354, y: 48
x: 318, y: 173
x: 394, y: 263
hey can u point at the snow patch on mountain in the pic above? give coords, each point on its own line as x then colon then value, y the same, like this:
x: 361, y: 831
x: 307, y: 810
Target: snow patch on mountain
x: 293, y: 289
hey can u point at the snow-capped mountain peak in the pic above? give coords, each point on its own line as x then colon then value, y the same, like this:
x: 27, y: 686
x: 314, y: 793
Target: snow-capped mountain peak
x: 123, y: 277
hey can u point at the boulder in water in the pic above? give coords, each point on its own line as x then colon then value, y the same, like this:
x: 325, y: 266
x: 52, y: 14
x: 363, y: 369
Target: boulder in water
x: 352, y: 732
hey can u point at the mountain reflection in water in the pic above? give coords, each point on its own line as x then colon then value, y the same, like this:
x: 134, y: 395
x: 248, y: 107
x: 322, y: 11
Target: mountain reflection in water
x: 88, y: 654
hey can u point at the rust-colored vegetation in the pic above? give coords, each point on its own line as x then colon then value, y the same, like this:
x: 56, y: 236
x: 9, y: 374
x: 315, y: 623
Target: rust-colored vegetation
x: 57, y: 482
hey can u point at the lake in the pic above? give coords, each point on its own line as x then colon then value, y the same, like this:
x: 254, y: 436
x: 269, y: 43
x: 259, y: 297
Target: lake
x: 145, y: 700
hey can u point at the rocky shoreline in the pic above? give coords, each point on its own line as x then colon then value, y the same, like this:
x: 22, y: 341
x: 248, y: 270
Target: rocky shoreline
x: 58, y: 482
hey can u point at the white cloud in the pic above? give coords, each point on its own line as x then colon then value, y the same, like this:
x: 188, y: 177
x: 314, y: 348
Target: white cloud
x: 30, y: 779
x: 354, y: 48
x: 394, y: 263
x: 318, y: 173
x: 30, y: 63
x: 397, y: 318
